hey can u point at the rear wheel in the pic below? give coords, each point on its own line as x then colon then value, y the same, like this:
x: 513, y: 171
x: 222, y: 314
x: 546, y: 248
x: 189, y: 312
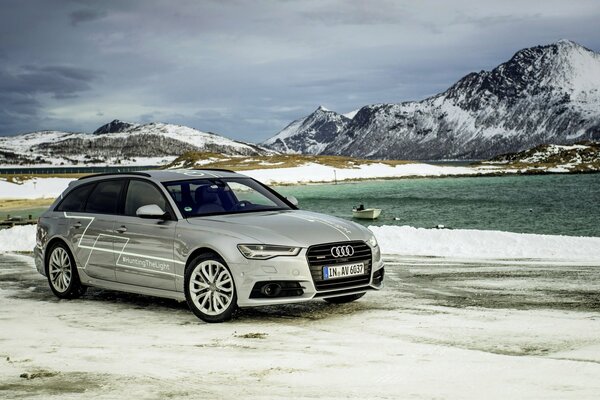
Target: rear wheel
x: 61, y: 271
x: 209, y: 288
x: 344, y: 299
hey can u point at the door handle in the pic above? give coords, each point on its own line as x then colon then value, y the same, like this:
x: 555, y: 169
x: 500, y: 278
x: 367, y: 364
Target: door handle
x: 121, y: 229
x: 77, y: 225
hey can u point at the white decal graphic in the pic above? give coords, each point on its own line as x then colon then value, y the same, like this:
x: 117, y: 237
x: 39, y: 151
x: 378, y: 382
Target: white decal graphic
x: 124, y: 259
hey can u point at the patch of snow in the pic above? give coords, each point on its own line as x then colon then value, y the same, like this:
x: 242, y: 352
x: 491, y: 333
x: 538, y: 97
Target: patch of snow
x: 351, y: 114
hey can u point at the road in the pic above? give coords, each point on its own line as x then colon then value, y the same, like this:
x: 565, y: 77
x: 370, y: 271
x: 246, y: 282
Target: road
x: 440, y: 329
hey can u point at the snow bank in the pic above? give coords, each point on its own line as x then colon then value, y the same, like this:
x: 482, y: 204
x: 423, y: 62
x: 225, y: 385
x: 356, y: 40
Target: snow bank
x: 407, y: 240
x: 36, y: 188
x: 481, y: 244
x: 17, y: 238
x: 313, y: 172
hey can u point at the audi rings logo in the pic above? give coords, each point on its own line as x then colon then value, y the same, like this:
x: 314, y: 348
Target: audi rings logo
x: 342, y: 251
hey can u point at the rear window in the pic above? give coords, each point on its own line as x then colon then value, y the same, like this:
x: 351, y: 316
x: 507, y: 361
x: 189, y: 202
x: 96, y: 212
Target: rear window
x: 75, y: 199
x: 104, y: 199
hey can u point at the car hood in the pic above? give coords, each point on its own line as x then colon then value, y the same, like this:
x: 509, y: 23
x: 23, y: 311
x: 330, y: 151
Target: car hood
x: 287, y: 227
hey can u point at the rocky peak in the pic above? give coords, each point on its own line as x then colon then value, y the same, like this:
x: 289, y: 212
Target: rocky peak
x: 114, y: 126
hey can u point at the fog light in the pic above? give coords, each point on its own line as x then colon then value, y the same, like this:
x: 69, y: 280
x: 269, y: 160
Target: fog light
x: 271, y: 289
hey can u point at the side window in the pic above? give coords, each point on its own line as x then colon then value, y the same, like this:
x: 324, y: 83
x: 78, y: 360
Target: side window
x: 75, y: 199
x: 140, y: 193
x: 104, y: 199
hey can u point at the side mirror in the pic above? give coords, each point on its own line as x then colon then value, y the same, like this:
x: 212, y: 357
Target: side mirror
x: 292, y: 200
x: 151, y: 211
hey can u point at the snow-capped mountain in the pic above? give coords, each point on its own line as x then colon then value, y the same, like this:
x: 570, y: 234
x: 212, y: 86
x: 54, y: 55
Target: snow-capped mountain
x: 118, y: 142
x: 542, y: 94
x: 311, y: 134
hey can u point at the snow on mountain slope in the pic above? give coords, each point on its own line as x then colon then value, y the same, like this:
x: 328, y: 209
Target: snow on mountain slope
x: 310, y: 134
x: 117, y: 142
x: 542, y: 94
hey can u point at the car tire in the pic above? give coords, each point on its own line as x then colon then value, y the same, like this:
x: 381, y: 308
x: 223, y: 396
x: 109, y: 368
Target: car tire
x: 62, y: 274
x: 210, y: 289
x: 344, y: 299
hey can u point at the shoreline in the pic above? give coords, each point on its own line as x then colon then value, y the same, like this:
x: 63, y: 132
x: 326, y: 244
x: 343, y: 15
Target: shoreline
x: 61, y: 181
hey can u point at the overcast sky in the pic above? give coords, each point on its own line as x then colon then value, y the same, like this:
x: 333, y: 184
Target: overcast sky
x: 245, y: 69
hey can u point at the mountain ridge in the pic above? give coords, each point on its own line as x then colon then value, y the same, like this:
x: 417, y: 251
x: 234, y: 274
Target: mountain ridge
x: 548, y: 93
x: 118, y: 142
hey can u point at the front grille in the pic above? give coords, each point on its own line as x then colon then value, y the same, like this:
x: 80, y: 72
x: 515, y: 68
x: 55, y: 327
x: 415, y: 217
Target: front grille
x: 320, y: 255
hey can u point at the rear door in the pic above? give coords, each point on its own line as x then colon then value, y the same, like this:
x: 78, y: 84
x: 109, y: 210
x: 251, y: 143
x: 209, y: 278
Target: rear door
x: 94, y: 248
x: 144, y: 247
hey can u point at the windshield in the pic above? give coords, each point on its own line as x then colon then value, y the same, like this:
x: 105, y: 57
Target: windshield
x: 197, y: 197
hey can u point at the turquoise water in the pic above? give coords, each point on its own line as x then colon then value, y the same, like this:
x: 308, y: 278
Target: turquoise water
x: 551, y: 204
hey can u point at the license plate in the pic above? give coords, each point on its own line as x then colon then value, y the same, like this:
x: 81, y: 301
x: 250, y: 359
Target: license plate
x: 343, y: 271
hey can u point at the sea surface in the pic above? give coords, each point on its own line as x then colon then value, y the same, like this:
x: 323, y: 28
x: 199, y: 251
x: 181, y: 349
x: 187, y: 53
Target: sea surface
x: 548, y: 204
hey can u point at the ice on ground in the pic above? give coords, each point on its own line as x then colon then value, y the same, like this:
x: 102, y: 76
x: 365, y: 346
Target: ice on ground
x: 482, y: 244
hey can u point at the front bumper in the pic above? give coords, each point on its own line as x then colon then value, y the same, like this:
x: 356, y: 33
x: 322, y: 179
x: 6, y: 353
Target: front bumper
x: 292, y: 269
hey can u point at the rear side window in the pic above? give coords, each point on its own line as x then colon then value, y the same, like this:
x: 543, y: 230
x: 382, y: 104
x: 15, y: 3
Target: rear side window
x: 75, y: 199
x: 139, y: 194
x: 104, y: 199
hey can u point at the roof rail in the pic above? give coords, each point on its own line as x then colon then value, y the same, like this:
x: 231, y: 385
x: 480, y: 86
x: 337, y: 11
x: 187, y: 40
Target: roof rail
x: 116, y: 173
x: 216, y: 169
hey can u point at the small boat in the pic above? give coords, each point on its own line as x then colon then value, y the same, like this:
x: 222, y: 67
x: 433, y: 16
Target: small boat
x: 366, y: 213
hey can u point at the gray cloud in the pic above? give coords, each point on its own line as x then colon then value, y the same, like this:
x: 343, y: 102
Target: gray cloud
x: 59, y: 81
x: 85, y: 15
x: 21, y: 108
x: 246, y: 69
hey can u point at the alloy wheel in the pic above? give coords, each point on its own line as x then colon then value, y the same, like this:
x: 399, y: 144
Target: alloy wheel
x: 211, y: 287
x: 60, y: 269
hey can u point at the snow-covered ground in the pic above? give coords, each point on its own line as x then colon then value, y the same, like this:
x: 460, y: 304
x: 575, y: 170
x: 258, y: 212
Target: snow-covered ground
x: 312, y: 172
x: 439, y: 329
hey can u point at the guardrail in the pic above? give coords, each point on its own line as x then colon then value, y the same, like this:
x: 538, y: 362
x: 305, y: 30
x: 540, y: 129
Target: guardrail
x: 11, y: 221
x: 72, y: 170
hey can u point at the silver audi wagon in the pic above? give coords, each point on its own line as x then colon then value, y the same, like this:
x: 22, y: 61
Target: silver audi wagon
x: 214, y: 238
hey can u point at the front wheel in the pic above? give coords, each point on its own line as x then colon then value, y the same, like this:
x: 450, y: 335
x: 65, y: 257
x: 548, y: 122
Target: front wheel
x: 209, y: 288
x: 344, y: 299
x: 62, y: 273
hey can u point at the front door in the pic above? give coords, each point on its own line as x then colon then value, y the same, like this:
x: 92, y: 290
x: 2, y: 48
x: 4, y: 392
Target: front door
x: 144, y: 247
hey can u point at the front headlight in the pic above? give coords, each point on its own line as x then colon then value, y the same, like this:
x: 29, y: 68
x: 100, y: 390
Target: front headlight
x: 266, y: 251
x: 372, y: 241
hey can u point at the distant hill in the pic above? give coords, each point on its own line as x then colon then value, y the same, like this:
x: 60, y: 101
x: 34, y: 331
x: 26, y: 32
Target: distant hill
x: 543, y: 94
x: 118, y: 142
x: 578, y: 157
